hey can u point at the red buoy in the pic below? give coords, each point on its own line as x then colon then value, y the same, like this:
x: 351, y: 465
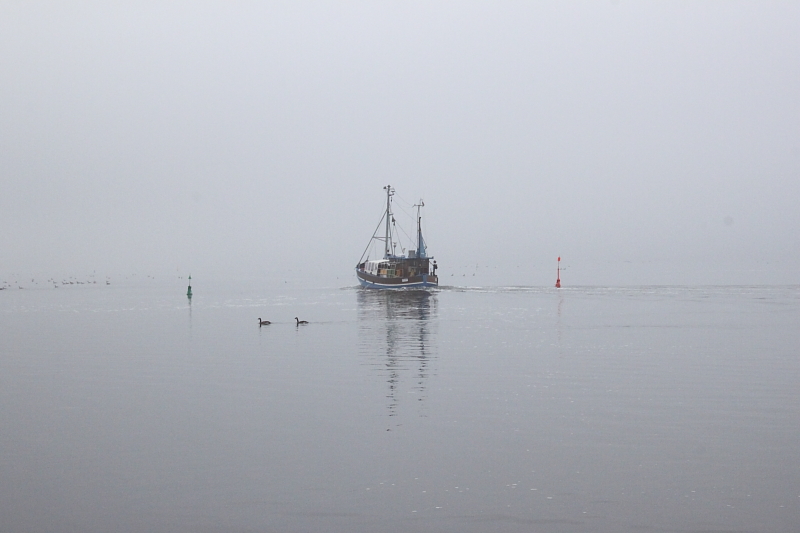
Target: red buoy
x: 558, y: 275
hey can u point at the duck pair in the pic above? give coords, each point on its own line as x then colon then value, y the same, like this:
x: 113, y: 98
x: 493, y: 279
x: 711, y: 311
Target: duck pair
x: 267, y: 322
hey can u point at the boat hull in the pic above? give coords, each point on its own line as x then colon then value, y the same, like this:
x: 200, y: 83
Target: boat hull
x: 381, y: 282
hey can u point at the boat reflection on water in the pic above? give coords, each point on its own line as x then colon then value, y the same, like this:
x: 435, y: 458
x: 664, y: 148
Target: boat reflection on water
x: 397, y: 336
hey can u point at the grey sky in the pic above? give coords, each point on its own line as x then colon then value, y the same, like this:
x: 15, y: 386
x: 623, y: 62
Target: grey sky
x: 247, y: 138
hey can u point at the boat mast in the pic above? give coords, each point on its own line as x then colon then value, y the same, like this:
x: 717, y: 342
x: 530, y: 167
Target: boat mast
x: 389, y: 192
x: 420, y: 251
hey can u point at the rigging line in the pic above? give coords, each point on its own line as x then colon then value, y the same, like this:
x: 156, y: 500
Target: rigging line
x: 414, y: 218
x: 373, y: 238
x: 409, y: 215
x: 408, y: 204
x: 406, y: 201
x: 373, y: 250
x: 394, y: 235
x: 407, y: 235
x: 410, y: 239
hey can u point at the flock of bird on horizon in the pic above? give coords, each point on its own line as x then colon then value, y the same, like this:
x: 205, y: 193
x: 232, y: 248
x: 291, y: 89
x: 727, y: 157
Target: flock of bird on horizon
x: 267, y: 322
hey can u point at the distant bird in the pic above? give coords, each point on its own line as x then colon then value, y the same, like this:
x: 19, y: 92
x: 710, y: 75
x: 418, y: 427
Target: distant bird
x: 300, y: 321
x: 263, y: 322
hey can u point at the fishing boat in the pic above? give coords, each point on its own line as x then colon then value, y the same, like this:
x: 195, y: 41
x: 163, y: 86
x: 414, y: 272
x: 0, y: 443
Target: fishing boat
x: 412, y: 269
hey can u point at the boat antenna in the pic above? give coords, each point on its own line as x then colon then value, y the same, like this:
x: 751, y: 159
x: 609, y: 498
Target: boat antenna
x: 389, y: 193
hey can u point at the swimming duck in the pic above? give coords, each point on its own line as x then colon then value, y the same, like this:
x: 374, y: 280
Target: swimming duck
x: 263, y: 322
x: 300, y: 321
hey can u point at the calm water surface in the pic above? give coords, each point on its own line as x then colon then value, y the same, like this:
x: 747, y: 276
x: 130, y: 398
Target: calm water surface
x: 462, y: 409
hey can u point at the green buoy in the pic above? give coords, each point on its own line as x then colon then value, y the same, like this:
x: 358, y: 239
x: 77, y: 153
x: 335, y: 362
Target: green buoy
x: 189, y: 292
